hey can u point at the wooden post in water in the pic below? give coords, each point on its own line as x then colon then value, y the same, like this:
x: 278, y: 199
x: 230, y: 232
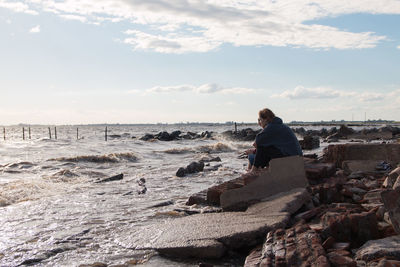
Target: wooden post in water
x: 29, y: 132
x: 4, y: 133
x: 77, y: 133
x: 49, y: 133
x: 55, y: 133
x: 106, y: 134
x: 23, y: 133
x: 235, y: 128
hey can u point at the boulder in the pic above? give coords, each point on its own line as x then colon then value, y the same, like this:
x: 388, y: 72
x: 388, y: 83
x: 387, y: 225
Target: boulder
x: 282, y: 175
x: 392, y: 178
x: 391, y: 200
x: 318, y: 171
x: 191, y: 168
x: 375, y: 249
x: 296, y: 246
x: 309, y: 142
x: 147, y: 137
x: 384, y: 152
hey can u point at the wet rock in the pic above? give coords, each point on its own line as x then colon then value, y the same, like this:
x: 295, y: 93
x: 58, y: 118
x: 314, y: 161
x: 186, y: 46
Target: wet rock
x: 391, y: 178
x: 198, y: 198
x: 96, y: 264
x: 391, y: 200
x: 375, y: 249
x: 309, y: 142
x: 163, y: 204
x: 247, y: 134
x: 111, y: 179
x: 141, y: 181
x: 142, y: 190
x: 191, y: 168
x: 180, y: 172
x: 210, y: 235
x: 147, y: 137
x: 215, y: 159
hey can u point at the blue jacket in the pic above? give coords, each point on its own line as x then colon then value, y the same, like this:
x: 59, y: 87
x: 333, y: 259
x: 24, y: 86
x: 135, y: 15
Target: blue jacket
x: 280, y: 136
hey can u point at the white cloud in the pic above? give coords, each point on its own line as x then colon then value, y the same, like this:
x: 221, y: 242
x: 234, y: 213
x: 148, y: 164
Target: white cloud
x: 301, y: 92
x: 200, y: 26
x: 74, y: 17
x: 35, y: 29
x: 19, y: 7
x: 209, y: 88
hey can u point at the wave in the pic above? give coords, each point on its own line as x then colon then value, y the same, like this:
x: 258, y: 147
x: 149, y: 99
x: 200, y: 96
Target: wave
x: 109, y: 158
x: 218, y: 147
x: 23, y: 190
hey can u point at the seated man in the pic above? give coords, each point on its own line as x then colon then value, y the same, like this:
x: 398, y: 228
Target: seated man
x: 276, y: 140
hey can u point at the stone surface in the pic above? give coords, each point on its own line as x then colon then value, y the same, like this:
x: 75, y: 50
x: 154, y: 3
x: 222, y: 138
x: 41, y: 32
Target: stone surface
x: 350, y: 166
x: 317, y: 171
x: 112, y: 178
x: 309, y: 142
x: 338, y: 260
x: 211, y: 235
x: 375, y: 249
x: 283, y: 175
x: 391, y: 200
x: 296, y: 246
x: 339, y: 153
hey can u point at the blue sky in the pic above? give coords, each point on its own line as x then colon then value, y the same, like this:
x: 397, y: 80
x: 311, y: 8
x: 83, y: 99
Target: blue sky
x: 71, y: 62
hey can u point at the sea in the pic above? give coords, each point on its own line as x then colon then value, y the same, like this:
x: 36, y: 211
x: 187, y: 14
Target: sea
x: 53, y: 211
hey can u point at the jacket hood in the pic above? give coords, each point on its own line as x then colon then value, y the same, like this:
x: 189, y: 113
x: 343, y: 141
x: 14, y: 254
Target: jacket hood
x: 276, y: 120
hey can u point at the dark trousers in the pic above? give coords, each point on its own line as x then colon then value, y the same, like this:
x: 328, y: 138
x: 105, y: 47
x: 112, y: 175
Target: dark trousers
x: 265, y: 154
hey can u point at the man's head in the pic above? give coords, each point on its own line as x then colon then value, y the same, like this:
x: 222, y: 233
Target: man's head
x: 265, y: 116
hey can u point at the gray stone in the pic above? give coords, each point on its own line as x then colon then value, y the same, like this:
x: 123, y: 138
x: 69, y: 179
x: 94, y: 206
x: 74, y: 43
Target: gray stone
x: 283, y: 175
x: 391, y: 200
x: 374, y: 249
x: 211, y: 235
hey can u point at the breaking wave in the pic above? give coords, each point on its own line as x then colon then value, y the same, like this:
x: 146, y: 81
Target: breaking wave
x: 19, y: 191
x: 110, y: 158
x: 218, y: 147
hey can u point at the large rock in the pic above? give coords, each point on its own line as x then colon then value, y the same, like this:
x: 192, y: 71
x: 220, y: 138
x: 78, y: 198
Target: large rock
x: 391, y: 200
x: 283, y: 175
x: 388, y: 247
x: 350, y: 166
x: 211, y: 235
x: 384, y: 152
x: 309, y: 142
x: 296, y: 246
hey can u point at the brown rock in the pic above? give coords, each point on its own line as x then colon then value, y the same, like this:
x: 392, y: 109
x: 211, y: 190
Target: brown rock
x: 338, y: 260
x: 328, y: 243
x: 388, y: 263
x: 317, y: 171
x: 391, y: 200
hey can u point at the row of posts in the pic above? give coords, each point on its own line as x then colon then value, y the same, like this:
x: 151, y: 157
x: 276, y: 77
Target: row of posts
x: 55, y: 133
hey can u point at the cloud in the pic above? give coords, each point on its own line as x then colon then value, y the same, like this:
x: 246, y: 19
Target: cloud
x: 199, y: 26
x: 74, y: 17
x: 209, y: 88
x: 19, y: 7
x: 300, y: 92
x: 35, y: 29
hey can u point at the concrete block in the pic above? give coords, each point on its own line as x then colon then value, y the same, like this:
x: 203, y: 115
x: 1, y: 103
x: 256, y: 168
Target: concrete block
x: 350, y: 166
x: 339, y: 153
x: 284, y: 174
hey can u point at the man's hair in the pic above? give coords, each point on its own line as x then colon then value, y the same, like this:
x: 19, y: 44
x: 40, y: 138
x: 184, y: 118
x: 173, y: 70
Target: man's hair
x: 266, y: 114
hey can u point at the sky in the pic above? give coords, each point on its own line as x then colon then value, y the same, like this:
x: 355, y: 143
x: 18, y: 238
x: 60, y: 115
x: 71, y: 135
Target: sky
x: 171, y: 61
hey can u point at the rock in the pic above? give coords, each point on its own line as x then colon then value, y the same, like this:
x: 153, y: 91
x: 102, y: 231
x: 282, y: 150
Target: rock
x: 296, y: 246
x: 309, y: 142
x: 338, y: 260
x: 180, y: 172
x: 356, y: 228
x: 216, y: 159
x: 282, y: 175
x: 375, y: 249
x: 388, y: 263
x: 397, y: 184
x: 391, y: 200
x: 328, y: 243
x: 352, y: 166
x: 175, y: 135
x: 210, y: 235
x: 247, y: 134
x: 198, y: 198
x: 112, y: 178
x: 253, y: 259
x: 339, y: 153
x: 147, y: 137
x: 163, y: 204
x: 308, y: 215
x: 191, y: 168
x: 164, y: 136
x: 142, y: 190
x: 318, y: 171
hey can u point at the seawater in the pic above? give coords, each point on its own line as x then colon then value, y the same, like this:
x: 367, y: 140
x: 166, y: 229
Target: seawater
x: 53, y: 213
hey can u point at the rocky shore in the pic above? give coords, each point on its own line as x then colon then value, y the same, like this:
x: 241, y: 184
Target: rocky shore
x: 340, y: 210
